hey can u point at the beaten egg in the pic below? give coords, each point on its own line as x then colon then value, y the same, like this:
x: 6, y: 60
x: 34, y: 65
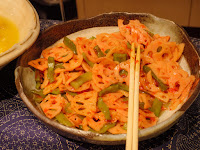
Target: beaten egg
x: 9, y: 34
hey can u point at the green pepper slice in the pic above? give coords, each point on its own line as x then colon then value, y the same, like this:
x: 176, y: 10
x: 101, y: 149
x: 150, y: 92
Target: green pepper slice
x: 69, y: 43
x: 71, y: 93
x: 123, y: 87
x: 50, y: 71
x: 106, y: 51
x: 67, y: 108
x: 106, y: 127
x: 125, y: 126
x: 119, y: 57
x: 37, y: 75
x: 81, y: 127
x: 37, y: 79
x: 149, y: 32
x: 91, y: 64
x: 59, y: 65
x: 81, y: 79
x: 156, y: 107
x: 81, y: 117
x: 92, y: 38
x: 111, y: 89
x: 37, y: 98
x: 162, y: 86
x: 103, y: 108
x: 38, y: 92
x: 37, y: 85
x: 128, y: 45
x: 63, y: 120
x: 98, y: 51
x: 56, y: 91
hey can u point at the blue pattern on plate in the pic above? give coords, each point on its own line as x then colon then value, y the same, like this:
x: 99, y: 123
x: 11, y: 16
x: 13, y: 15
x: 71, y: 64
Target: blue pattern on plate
x: 20, y: 129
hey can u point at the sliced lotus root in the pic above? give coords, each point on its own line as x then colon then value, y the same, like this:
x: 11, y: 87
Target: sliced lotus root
x: 85, y: 103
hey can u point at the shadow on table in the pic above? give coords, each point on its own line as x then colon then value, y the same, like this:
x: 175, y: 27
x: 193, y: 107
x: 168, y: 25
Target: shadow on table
x: 7, y: 81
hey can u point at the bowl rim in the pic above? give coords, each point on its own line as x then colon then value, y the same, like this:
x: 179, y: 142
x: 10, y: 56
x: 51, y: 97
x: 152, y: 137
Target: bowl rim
x: 18, y: 48
x: 96, y: 138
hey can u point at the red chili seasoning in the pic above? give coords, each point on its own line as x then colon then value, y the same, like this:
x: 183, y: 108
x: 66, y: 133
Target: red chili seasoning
x: 54, y: 102
x: 152, y: 119
x: 45, y: 110
x: 141, y: 88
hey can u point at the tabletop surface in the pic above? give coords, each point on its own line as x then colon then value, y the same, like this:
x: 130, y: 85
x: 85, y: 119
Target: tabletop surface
x: 20, y: 129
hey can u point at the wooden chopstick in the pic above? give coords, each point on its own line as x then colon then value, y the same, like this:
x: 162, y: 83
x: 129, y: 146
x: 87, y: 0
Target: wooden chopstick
x: 136, y: 102
x: 129, y: 136
x: 133, y: 104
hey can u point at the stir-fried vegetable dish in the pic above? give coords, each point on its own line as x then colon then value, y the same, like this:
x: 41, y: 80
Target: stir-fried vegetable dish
x: 84, y: 83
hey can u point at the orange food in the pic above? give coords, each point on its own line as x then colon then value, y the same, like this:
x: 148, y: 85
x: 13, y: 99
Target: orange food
x: 40, y: 64
x: 81, y: 103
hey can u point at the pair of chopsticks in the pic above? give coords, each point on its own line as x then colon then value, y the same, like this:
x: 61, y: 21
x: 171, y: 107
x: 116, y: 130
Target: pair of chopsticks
x: 133, y: 103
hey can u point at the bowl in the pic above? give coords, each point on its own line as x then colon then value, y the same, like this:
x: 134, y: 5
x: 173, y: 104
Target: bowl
x: 157, y: 25
x: 26, y: 19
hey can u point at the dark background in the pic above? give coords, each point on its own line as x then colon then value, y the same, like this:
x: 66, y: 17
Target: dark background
x: 47, y: 11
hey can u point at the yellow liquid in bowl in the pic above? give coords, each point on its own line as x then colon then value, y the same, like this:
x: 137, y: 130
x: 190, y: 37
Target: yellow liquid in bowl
x: 9, y: 34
